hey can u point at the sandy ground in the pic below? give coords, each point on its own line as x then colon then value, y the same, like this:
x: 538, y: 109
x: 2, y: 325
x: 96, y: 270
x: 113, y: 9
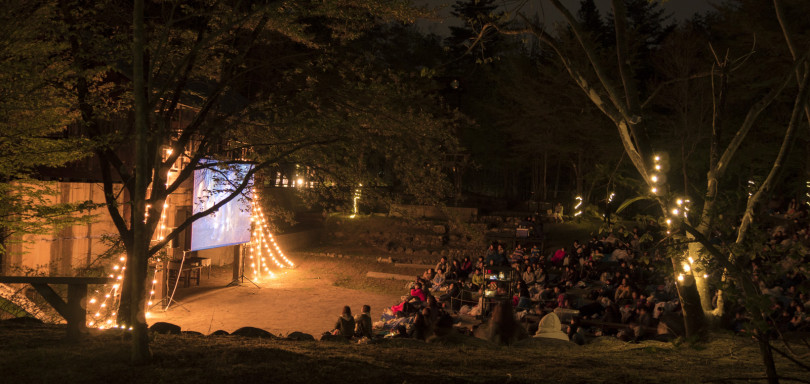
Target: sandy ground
x: 297, y: 300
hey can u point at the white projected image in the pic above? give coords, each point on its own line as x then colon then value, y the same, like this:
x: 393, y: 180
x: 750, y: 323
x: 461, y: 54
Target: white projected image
x: 230, y: 224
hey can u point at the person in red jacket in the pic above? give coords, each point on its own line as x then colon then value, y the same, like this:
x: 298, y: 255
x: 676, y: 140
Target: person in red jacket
x: 416, y: 292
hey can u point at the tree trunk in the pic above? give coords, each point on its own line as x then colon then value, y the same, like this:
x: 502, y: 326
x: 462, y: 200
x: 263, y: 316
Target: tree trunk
x: 545, y: 176
x: 137, y: 260
x: 701, y: 283
x: 693, y: 316
x: 767, y: 359
x: 580, y: 174
x: 535, y: 179
x: 3, y: 250
x: 557, y: 179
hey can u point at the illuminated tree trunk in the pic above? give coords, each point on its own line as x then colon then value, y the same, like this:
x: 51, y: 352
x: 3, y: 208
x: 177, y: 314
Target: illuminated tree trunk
x: 137, y: 260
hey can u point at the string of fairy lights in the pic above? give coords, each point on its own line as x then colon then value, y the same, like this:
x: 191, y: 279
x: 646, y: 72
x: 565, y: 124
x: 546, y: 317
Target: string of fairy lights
x: 679, y: 211
x: 103, y: 304
x: 263, y: 245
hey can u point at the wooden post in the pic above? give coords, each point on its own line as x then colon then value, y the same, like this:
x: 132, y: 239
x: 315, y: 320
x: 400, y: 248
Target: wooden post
x: 237, y: 262
x: 76, y: 311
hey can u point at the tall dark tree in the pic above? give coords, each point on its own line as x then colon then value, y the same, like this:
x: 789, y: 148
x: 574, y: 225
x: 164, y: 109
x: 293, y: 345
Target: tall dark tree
x: 266, y: 81
x: 475, y: 14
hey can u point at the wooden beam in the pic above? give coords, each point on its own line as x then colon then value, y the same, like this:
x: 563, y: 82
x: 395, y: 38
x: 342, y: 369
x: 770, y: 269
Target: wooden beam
x: 53, y: 299
x: 54, y: 280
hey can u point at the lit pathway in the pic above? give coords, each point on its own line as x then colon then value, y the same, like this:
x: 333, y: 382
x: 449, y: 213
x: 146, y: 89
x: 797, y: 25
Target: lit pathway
x: 295, y: 301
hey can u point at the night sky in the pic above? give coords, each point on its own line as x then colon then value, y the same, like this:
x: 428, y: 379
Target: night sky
x: 680, y: 9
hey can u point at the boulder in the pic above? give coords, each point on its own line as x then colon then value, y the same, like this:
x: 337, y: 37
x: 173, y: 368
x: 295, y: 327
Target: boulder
x: 219, y: 332
x: 165, y: 328
x: 300, y: 336
x: 672, y: 324
x: 334, y: 338
x: 253, y: 332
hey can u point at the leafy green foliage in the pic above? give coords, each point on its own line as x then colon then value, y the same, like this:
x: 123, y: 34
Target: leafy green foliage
x: 33, y: 115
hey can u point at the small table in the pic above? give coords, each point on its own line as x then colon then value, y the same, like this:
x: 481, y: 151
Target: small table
x: 192, y: 269
x: 74, y: 309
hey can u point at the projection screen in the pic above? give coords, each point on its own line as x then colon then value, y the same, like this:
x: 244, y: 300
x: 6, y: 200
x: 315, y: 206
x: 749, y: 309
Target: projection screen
x: 230, y: 224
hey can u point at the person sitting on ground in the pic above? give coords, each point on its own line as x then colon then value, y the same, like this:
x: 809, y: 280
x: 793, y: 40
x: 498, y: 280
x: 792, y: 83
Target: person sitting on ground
x: 454, y: 271
x: 524, y: 297
x: 438, y: 280
x: 481, y: 263
x: 558, y: 256
x: 534, y: 255
x: 452, y: 295
x: 540, y: 276
x: 623, y: 292
x: 550, y: 327
x: 528, y: 276
x: 419, y: 328
x: 492, y: 253
x: 517, y: 255
x: 502, y: 328
x: 427, y: 278
x: 429, y: 274
x: 362, y: 323
x: 502, y: 257
x: 466, y: 268
x: 477, y: 279
x: 345, y: 324
x: 415, y: 293
x: 558, y: 213
x: 442, y: 264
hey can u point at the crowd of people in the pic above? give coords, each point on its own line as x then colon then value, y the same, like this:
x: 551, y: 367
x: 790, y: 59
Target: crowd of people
x: 610, y: 285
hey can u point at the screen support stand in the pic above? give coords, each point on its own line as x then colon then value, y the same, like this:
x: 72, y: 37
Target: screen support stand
x: 239, y: 268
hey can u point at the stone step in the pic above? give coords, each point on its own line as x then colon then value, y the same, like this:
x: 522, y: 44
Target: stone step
x: 383, y: 275
x: 420, y: 266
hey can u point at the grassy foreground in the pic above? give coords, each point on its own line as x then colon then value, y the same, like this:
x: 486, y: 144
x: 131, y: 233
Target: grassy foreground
x: 37, y: 354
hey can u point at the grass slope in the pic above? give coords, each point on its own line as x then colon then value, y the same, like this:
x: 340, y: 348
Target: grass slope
x: 37, y: 354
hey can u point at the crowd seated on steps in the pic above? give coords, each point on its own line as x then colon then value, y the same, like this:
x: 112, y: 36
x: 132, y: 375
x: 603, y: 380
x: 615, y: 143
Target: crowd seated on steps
x: 616, y: 284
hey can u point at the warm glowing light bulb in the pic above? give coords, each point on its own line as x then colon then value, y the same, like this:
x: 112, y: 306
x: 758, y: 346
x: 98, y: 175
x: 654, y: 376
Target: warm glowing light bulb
x: 686, y: 267
x: 654, y: 190
x: 680, y: 277
x: 654, y: 178
x: 675, y: 211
